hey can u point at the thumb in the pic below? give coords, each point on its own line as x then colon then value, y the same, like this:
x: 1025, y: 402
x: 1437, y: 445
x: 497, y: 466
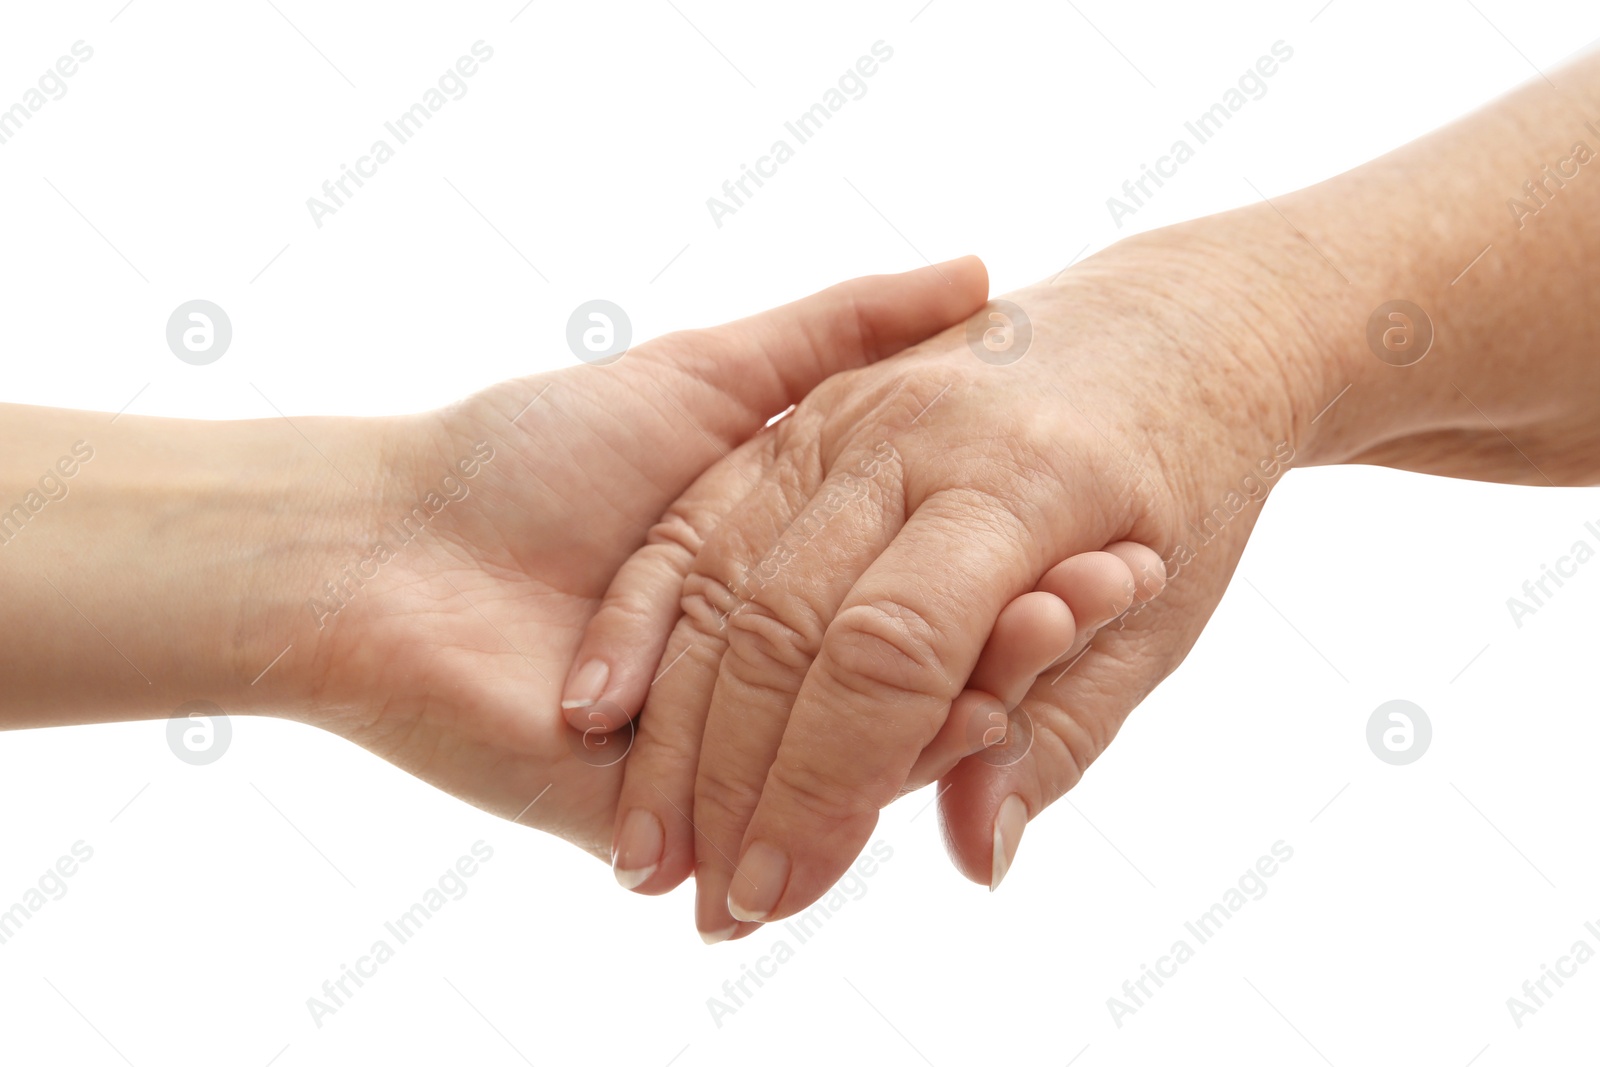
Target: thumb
x: 1062, y: 726
x: 771, y: 360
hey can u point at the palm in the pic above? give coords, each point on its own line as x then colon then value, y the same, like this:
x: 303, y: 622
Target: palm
x: 474, y: 643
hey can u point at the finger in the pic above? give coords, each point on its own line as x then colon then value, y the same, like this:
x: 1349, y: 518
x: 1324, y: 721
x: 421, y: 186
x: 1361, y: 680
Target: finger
x: 1100, y: 584
x: 770, y: 361
x: 1032, y: 632
x: 985, y: 804
x: 654, y: 842
x: 800, y: 580
x: 1145, y: 565
x: 623, y: 644
x: 893, y: 659
x: 653, y: 847
x: 1095, y: 588
x: 661, y: 773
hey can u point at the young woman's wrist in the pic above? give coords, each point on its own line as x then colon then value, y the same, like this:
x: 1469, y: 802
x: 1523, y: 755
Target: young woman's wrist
x: 176, y: 561
x: 345, y: 517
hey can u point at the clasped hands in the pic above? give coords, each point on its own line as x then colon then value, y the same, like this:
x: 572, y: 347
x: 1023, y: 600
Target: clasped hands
x: 934, y: 568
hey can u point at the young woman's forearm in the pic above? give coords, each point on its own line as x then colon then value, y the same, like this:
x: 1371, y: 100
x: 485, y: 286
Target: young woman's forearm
x: 149, y: 562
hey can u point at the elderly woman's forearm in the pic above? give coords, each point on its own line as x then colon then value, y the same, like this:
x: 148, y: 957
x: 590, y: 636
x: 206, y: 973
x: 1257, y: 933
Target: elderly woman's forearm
x: 1433, y: 308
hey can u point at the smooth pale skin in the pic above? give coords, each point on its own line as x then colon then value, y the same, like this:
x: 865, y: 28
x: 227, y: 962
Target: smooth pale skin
x: 1162, y: 372
x: 180, y: 563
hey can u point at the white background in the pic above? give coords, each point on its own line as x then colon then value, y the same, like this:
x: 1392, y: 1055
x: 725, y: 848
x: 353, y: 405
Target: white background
x: 1418, y: 899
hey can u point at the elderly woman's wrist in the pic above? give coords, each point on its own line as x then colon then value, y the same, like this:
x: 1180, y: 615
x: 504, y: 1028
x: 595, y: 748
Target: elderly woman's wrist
x: 1353, y: 330
x: 1252, y: 323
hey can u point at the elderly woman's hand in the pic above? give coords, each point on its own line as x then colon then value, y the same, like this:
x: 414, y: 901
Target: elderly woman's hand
x: 846, y: 570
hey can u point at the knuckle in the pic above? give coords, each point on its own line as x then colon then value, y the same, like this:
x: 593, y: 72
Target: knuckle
x: 677, y: 535
x: 708, y: 604
x: 769, y: 639
x: 624, y: 612
x: 1082, y: 719
x: 820, y: 796
x: 1069, y: 743
x: 638, y: 605
x: 1007, y: 508
x: 664, y: 751
x: 774, y: 640
x: 886, y: 649
x: 720, y: 800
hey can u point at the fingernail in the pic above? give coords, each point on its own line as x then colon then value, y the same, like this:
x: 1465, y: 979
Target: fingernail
x: 758, y: 883
x: 719, y: 936
x: 1008, y: 827
x: 587, y: 685
x: 637, y: 851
